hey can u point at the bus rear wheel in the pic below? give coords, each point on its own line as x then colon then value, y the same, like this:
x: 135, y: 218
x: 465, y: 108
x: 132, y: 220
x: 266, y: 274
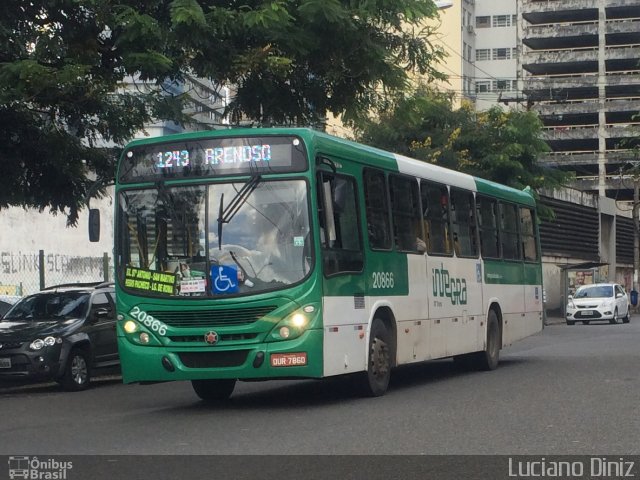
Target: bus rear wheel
x: 488, y: 359
x: 375, y: 380
x: 213, y: 391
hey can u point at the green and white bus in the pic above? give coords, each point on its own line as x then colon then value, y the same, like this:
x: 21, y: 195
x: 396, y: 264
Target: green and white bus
x: 255, y: 254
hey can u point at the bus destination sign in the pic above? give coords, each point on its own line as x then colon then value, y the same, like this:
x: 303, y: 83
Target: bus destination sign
x: 213, y: 157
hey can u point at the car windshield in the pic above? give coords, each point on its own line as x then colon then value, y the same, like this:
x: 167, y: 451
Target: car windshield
x: 596, y: 291
x: 54, y: 306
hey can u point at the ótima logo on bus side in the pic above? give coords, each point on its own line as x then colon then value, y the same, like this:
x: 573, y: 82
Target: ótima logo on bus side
x: 445, y: 286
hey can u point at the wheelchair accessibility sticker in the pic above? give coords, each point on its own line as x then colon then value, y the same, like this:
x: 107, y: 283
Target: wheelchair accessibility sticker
x: 224, y: 278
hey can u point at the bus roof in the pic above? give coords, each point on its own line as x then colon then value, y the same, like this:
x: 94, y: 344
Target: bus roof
x: 329, y: 144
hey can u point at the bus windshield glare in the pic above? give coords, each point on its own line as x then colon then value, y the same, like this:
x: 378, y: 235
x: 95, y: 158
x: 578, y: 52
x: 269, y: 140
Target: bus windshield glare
x: 184, y: 241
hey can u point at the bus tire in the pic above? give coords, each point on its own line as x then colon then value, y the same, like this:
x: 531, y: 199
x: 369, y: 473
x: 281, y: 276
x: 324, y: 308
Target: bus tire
x: 214, y: 391
x: 374, y: 381
x: 489, y: 358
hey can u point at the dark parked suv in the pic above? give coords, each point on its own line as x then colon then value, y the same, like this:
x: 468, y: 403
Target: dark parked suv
x: 61, y: 333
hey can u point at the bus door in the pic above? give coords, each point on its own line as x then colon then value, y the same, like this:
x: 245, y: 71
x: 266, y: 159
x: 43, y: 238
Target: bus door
x: 342, y: 261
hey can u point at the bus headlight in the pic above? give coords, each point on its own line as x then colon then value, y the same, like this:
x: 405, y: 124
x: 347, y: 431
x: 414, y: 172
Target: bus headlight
x: 295, y: 324
x: 139, y: 334
x: 130, y: 326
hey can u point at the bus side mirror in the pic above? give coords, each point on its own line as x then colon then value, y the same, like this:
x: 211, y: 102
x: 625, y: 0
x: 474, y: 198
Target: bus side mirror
x: 94, y: 225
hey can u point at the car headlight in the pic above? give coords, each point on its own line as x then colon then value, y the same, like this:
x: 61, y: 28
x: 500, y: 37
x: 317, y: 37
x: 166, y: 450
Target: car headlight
x: 572, y: 305
x: 39, y: 343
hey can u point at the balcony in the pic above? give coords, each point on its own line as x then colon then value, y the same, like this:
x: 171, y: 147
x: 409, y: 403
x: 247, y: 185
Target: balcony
x: 623, y: 52
x: 554, y: 30
x: 569, y: 132
x: 536, y: 6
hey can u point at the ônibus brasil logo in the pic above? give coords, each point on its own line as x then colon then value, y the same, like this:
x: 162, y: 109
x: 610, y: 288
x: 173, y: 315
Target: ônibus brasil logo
x: 445, y: 286
x: 33, y: 468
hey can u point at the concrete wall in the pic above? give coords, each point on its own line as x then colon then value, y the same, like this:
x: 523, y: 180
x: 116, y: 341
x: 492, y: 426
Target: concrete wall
x: 69, y: 256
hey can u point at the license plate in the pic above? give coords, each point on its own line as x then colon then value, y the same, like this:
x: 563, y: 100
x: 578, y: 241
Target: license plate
x: 5, y: 362
x: 288, y: 359
x: 587, y: 312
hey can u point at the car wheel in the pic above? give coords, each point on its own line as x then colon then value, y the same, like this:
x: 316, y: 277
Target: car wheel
x: 77, y: 374
x: 570, y: 322
x: 374, y: 381
x: 627, y: 317
x: 585, y: 322
x: 214, y: 391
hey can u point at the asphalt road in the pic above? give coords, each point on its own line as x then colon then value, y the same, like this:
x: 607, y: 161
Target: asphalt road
x: 567, y: 390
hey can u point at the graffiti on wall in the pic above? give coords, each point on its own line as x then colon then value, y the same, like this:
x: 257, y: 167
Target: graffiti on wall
x: 12, y: 263
x: 23, y: 269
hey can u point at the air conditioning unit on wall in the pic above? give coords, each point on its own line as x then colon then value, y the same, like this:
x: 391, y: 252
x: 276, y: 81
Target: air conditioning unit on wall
x: 470, y: 29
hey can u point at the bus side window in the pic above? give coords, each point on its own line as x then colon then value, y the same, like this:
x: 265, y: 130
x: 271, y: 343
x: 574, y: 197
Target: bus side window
x: 528, y: 235
x: 435, y: 203
x: 377, y: 209
x: 463, y: 223
x: 487, y: 213
x: 509, y: 231
x: 405, y: 208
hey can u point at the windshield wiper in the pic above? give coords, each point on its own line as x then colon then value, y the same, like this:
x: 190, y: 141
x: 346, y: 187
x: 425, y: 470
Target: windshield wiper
x: 226, y: 214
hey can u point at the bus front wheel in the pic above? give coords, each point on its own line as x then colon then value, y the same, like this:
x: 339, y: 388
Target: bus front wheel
x: 375, y: 380
x: 214, y: 390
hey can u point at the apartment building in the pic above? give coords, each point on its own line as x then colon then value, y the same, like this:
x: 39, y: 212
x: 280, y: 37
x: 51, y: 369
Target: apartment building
x: 581, y: 73
x: 480, y: 39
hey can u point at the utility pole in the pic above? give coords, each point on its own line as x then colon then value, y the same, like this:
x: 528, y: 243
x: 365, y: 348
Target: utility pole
x: 636, y: 230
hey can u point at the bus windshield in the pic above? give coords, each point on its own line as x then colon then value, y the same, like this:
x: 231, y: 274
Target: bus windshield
x: 235, y: 238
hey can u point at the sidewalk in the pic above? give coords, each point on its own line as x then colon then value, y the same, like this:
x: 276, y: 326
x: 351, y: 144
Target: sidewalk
x: 554, y: 319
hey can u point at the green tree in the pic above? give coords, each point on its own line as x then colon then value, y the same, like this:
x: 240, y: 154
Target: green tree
x: 291, y: 61
x: 497, y: 145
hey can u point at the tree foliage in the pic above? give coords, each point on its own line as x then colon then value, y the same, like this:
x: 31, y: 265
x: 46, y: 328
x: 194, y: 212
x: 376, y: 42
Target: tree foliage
x: 497, y: 145
x: 62, y: 63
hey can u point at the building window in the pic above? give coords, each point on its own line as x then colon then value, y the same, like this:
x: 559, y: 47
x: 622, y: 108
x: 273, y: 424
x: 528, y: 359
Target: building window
x: 514, y: 20
x: 483, y: 54
x: 483, y: 22
x: 501, y: 85
x: 501, y: 53
x: 483, y: 86
x: 464, y: 17
x: 464, y: 51
x: 502, y: 20
x: 469, y: 53
x: 514, y: 52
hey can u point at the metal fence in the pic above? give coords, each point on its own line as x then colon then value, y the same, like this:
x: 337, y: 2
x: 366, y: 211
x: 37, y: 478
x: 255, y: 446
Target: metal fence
x: 24, y: 274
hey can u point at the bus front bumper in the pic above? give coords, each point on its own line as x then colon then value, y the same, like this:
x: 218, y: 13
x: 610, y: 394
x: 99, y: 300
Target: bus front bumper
x: 297, y: 358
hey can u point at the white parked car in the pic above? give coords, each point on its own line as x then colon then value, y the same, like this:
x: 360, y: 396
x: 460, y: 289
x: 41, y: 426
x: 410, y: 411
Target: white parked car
x: 600, y: 301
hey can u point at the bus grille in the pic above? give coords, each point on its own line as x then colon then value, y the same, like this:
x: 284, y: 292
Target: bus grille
x: 212, y: 318
x: 222, y: 359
